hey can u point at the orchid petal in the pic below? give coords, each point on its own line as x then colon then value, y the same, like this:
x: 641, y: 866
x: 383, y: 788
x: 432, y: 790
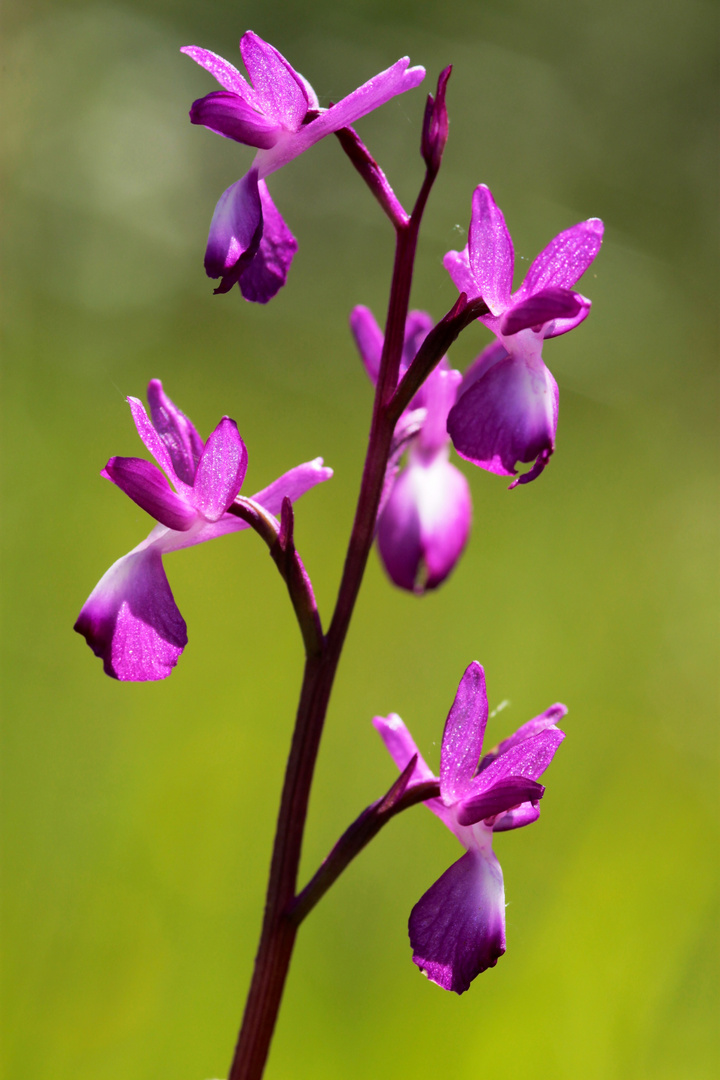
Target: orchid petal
x: 490, y: 251
x: 417, y: 327
x: 267, y: 272
x: 375, y: 92
x: 457, y: 929
x: 509, y: 414
x: 547, y: 719
x: 279, y: 90
x: 226, y: 74
x: 565, y: 259
x: 293, y: 484
x: 530, y: 759
x: 369, y: 339
x: 179, y: 435
x: 227, y: 114
x: 401, y: 747
x: 425, y: 523
x: 235, y: 231
x: 540, y: 308
x: 522, y: 815
x: 503, y: 796
x: 131, y: 621
x: 146, y: 486
x: 439, y: 393
x: 152, y: 440
x: 561, y: 326
x: 221, y: 470
x: 457, y: 264
x: 463, y: 734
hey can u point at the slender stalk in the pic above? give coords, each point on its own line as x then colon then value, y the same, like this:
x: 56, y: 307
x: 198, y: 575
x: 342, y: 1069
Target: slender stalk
x: 279, y: 928
x: 358, y: 835
x: 280, y: 541
x: 372, y: 174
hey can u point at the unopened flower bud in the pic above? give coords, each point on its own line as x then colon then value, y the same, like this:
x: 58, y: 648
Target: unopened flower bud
x: 435, y: 124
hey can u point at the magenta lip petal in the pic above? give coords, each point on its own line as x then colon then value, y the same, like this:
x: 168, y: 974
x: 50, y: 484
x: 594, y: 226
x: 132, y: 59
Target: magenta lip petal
x: 131, y: 621
x: 293, y: 484
x: 445, y: 533
x: 375, y: 92
x: 565, y: 259
x: 490, y: 251
x: 146, y: 486
x: 463, y: 734
x: 539, y: 467
x: 369, y: 339
x: 235, y: 231
x: 491, y: 355
x: 267, y: 272
x: 424, y: 525
x: 176, y: 431
x: 279, y: 89
x: 226, y: 74
x: 221, y: 470
x: 399, y: 535
x: 457, y: 929
x: 503, y: 796
x: 227, y: 114
x: 507, y: 415
x: 540, y: 308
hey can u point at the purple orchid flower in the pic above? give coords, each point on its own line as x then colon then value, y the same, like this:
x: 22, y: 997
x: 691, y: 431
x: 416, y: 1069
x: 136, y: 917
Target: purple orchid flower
x: 426, y: 510
x: 249, y: 242
x: 131, y: 619
x: 507, y: 408
x: 457, y: 929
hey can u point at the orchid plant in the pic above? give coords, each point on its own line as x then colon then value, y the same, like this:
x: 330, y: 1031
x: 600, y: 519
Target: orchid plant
x: 502, y: 411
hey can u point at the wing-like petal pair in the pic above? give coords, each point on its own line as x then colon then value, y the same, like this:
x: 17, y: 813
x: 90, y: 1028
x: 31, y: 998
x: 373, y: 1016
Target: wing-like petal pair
x: 277, y: 112
x: 507, y: 407
x: 424, y: 520
x: 131, y: 619
x: 457, y: 929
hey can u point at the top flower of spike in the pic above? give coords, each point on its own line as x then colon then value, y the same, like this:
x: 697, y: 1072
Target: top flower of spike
x: 249, y: 242
x: 507, y: 405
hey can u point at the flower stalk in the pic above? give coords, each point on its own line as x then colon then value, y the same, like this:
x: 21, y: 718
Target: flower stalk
x: 279, y: 926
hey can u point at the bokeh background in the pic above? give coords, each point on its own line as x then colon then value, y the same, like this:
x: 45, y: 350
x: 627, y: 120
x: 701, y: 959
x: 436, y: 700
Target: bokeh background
x: 138, y: 819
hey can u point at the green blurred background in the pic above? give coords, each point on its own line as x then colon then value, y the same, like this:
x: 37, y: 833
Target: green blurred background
x: 138, y: 819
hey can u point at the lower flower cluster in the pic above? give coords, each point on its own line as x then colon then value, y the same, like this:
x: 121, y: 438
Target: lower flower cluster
x: 457, y: 929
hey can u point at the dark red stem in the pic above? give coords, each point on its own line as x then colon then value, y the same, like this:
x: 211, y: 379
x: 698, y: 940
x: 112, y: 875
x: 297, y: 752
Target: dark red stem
x: 279, y: 928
